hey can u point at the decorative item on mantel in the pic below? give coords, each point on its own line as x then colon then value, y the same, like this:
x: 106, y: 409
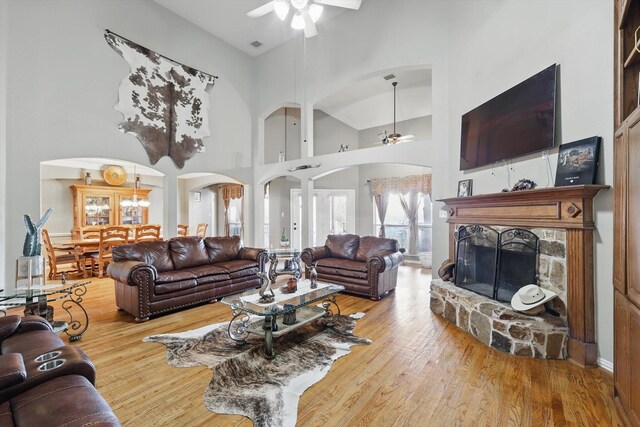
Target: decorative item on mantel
x: 165, y: 104
x: 343, y: 148
x: 523, y: 184
x: 87, y: 179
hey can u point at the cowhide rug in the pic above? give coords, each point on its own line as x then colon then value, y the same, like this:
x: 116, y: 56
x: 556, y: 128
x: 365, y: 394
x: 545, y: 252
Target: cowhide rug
x: 245, y: 383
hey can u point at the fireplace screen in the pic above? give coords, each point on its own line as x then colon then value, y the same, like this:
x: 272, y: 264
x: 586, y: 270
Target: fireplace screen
x: 495, y: 264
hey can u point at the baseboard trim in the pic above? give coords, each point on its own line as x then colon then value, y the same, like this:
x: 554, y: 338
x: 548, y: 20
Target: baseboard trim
x: 605, y: 364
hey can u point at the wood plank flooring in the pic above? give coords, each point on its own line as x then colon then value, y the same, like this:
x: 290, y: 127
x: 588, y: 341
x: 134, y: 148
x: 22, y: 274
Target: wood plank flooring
x: 419, y: 371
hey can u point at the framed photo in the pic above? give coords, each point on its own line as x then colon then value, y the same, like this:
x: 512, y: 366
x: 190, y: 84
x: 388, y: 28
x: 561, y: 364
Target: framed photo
x: 578, y: 162
x: 464, y: 187
x: 197, y: 196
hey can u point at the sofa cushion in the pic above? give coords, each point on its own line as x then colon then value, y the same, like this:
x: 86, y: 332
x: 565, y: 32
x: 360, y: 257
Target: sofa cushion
x: 6, y: 418
x: 188, y: 252
x: 165, y: 288
x: 372, y: 246
x: 208, y: 270
x: 69, y: 400
x: 221, y: 249
x: 155, y: 253
x: 8, y: 325
x: 342, y: 245
x: 175, y: 276
x: 239, y: 267
x: 342, y: 267
x: 34, y: 342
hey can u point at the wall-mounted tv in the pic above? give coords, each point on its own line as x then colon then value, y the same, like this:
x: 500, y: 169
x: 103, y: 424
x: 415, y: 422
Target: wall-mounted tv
x: 516, y: 122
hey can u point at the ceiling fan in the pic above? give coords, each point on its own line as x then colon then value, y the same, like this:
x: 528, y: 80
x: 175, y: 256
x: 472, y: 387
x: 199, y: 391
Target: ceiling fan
x: 306, y: 12
x: 395, y: 137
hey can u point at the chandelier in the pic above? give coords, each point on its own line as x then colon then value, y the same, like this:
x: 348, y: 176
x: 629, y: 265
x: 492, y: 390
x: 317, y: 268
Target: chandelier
x: 135, y: 202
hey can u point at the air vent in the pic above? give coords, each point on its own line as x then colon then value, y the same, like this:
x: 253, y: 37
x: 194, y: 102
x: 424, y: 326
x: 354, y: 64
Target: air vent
x: 389, y: 77
x: 255, y: 43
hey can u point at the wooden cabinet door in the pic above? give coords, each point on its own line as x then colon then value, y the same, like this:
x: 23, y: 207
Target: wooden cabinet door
x: 634, y: 358
x: 621, y: 361
x: 620, y: 212
x: 633, y: 211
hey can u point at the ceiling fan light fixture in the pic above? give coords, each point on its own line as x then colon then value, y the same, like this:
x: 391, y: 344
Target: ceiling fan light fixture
x: 299, y: 4
x: 282, y: 9
x: 297, y: 23
x: 315, y: 10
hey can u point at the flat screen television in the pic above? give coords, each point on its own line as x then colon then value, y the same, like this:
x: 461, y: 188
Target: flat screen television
x: 519, y: 121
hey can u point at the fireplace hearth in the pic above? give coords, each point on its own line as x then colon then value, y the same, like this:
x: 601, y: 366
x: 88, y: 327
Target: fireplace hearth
x: 495, y: 264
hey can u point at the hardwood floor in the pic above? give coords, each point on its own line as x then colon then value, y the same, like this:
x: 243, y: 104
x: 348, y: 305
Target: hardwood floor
x: 419, y: 371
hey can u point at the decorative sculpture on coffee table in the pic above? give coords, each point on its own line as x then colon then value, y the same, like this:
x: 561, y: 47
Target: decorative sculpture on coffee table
x: 313, y: 276
x: 291, y: 286
x: 266, y: 293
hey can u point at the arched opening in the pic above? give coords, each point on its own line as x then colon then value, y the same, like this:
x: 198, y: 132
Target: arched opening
x: 211, y: 202
x: 86, y: 192
x: 283, y: 213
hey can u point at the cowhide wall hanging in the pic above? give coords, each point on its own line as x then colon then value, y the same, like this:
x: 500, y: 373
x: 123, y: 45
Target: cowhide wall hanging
x: 165, y: 104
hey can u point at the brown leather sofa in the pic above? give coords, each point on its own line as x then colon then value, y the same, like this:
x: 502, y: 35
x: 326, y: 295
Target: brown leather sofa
x: 153, y: 278
x: 30, y: 394
x: 365, y: 266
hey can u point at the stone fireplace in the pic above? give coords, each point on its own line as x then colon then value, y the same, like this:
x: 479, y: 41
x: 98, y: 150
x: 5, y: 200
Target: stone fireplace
x: 508, y: 240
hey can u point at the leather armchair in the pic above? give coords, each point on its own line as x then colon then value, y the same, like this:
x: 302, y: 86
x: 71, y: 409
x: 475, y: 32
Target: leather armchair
x: 33, y: 393
x: 366, y: 266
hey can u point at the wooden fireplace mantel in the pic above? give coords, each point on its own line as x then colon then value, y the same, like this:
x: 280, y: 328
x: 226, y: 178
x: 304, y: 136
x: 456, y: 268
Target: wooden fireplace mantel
x: 569, y: 208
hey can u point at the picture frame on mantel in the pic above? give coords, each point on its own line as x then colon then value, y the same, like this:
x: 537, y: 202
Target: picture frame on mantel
x: 578, y: 162
x: 465, y: 188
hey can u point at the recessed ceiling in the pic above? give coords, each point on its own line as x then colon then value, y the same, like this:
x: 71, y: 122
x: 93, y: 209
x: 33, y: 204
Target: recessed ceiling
x: 228, y: 20
x: 369, y: 103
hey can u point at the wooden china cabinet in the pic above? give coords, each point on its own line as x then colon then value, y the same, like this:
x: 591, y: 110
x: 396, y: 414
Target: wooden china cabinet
x: 97, y: 205
x: 626, y: 256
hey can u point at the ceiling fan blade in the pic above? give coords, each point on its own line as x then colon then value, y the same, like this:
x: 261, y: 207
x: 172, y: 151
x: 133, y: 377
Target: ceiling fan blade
x: 309, y: 27
x: 348, y: 4
x: 262, y: 10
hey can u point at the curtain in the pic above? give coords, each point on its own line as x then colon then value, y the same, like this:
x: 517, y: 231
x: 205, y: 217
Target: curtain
x: 402, y: 185
x: 232, y: 191
x: 382, y: 201
x: 411, y: 210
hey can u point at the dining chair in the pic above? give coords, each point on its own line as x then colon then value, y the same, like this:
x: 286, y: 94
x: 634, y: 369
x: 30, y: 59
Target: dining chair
x: 201, y: 231
x: 146, y: 233
x: 183, y: 230
x: 62, y: 255
x: 90, y: 232
x: 109, y: 237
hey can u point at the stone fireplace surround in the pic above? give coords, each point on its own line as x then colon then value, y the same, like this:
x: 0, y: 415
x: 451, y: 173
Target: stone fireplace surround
x: 558, y: 215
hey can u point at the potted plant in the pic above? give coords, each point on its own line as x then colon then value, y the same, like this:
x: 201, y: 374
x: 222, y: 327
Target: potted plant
x: 284, y: 240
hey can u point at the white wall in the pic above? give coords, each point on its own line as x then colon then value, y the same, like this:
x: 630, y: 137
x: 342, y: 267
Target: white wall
x: 477, y: 49
x: 282, y: 132
x: 497, y: 44
x: 329, y: 133
x: 201, y: 212
x: 62, y: 81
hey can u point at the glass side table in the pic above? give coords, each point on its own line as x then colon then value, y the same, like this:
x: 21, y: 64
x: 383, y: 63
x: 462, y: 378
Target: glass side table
x: 35, y: 298
x: 292, y: 263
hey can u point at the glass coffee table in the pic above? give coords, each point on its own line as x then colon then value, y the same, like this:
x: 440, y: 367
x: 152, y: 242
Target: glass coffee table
x: 285, y: 314
x: 35, y: 298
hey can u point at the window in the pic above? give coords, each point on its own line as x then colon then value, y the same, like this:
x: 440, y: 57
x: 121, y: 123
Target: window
x: 396, y: 222
x: 235, y: 225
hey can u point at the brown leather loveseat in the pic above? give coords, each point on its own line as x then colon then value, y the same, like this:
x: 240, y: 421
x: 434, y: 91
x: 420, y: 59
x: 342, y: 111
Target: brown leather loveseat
x: 44, y: 382
x: 152, y: 278
x: 363, y: 265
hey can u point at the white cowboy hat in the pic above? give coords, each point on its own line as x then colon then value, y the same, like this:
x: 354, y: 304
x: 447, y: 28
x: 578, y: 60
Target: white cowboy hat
x: 531, y: 296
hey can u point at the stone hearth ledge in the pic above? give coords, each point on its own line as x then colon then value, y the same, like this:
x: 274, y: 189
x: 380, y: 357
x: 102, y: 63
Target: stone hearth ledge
x: 497, y: 325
